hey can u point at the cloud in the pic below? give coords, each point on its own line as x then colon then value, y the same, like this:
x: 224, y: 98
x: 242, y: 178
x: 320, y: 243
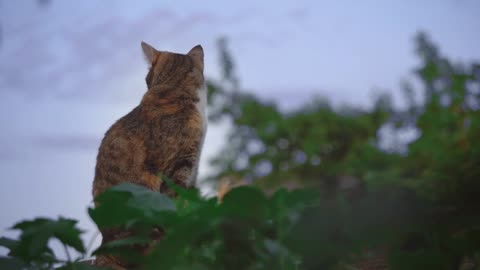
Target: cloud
x: 67, y: 142
x: 298, y: 14
x: 72, y: 59
x: 266, y: 39
x: 9, y: 153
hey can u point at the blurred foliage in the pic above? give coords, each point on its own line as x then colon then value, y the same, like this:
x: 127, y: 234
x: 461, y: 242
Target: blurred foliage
x: 319, y: 144
x: 337, y: 152
x: 323, y: 191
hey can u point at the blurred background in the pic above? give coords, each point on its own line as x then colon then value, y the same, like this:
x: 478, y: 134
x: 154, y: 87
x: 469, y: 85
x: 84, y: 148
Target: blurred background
x: 332, y: 94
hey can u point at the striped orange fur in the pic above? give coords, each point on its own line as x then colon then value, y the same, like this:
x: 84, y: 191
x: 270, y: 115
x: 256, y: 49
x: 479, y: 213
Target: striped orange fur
x: 163, y: 135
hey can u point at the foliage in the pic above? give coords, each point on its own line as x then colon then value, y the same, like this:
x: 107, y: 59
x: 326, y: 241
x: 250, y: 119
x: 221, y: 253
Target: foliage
x: 31, y: 250
x: 337, y: 151
x: 247, y: 230
x: 319, y: 143
x: 347, y: 196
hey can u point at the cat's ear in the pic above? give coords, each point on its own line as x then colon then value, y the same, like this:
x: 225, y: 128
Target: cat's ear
x: 196, y: 53
x: 148, y: 51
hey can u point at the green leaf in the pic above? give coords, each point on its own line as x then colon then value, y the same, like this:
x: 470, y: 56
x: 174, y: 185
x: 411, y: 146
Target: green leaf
x: 41, y: 230
x: 36, y: 234
x: 126, y: 248
x: 142, y: 198
x: 189, y: 194
x: 127, y: 242
x: 128, y: 203
x: 245, y: 201
x: 11, y: 244
x: 12, y: 263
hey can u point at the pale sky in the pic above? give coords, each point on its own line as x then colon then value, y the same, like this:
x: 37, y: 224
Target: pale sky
x: 68, y: 70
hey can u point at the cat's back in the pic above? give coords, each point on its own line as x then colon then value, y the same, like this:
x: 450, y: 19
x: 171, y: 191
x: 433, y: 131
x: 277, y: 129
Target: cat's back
x: 165, y: 133
x: 121, y: 152
x: 162, y: 137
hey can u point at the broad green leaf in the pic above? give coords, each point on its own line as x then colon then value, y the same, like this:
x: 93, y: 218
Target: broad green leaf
x: 128, y: 203
x: 35, y: 235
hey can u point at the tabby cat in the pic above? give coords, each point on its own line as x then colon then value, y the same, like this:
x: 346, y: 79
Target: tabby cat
x: 163, y: 135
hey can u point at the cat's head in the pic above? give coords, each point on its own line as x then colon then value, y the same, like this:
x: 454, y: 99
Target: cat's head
x: 174, y: 69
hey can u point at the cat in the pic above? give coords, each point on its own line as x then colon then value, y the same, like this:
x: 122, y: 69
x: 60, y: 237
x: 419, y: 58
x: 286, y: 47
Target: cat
x: 163, y: 135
